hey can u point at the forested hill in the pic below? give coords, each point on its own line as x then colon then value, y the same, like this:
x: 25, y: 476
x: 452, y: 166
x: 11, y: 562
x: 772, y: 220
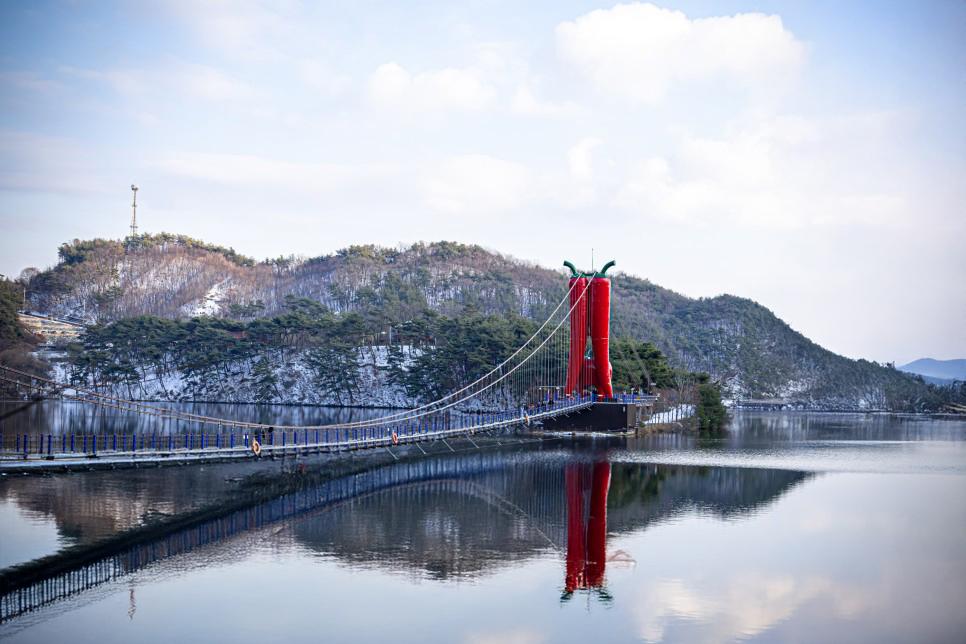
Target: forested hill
x: 735, y: 340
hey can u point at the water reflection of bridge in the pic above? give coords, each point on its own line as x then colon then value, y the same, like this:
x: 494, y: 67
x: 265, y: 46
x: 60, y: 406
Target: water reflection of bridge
x: 446, y: 517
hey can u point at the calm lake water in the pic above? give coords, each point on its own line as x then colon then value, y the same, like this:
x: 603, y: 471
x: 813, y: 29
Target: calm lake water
x: 72, y: 417
x: 790, y: 528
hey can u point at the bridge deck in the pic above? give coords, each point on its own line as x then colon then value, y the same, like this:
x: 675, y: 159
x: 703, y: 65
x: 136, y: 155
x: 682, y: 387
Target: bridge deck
x: 60, y: 451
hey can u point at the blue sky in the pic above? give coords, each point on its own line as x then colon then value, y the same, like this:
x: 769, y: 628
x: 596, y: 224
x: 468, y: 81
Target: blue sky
x: 808, y: 155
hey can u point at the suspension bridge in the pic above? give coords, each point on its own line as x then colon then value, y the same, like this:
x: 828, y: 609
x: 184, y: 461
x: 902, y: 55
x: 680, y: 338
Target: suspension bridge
x: 551, y: 377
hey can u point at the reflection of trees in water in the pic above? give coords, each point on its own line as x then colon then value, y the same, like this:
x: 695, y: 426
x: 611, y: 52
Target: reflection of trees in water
x: 497, y: 514
x: 89, y: 506
x: 65, y: 417
x: 790, y: 426
x: 444, y: 529
x: 450, y: 529
x: 640, y: 494
x: 446, y: 517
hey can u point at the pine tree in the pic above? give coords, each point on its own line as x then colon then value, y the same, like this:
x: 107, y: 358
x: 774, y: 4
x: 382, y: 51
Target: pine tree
x: 266, y: 388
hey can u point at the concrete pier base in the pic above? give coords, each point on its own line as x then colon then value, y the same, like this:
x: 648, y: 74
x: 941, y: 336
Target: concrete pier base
x: 601, y: 417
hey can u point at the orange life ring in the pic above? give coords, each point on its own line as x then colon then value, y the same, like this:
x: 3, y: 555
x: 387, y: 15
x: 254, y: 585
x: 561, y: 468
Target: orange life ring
x: 256, y: 448
x: 395, y: 439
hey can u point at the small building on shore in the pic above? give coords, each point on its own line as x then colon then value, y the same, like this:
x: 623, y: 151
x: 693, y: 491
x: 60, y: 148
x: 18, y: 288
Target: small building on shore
x: 54, y: 331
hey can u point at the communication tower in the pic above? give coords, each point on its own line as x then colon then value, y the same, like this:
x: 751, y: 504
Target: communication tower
x: 134, y: 210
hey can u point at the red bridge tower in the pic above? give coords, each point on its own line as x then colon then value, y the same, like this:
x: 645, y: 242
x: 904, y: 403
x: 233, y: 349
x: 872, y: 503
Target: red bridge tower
x: 589, y: 301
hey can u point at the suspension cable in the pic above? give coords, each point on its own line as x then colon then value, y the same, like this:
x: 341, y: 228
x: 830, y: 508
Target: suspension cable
x: 485, y: 376
x: 134, y: 403
x: 140, y: 407
x: 495, y: 382
x: 54, y: 391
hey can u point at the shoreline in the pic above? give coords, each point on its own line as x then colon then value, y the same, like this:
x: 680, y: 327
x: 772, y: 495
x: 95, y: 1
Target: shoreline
x: 732, y: 409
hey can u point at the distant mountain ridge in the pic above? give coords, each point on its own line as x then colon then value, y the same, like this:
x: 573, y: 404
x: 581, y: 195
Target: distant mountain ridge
x: 938, y: 372
x: 740, y: 343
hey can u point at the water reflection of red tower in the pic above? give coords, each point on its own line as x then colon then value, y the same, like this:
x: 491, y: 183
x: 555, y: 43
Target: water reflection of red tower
x: 587, y: 488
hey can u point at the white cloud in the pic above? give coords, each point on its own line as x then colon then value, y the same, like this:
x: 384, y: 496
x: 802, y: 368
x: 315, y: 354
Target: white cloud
x: 254, y: 30
x: 207, y: 83
x: 251, y: 170
x: 33, y: 162
x: 29, y: 81
x: 581, y: 184
x: 457, y: 185
x: 517, y: 636
x: 525, y: 103
x: 392, y: 88
x: 578, y: 158
x: 503, y: 62
x: 318, y: 74
x: 637, y: 51
x: 476, y: 185
x: 751, y: 604
x: 773, y: 172
x: 173, y: 78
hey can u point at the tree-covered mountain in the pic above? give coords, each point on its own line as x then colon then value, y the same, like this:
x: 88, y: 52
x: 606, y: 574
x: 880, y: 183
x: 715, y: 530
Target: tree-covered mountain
x: 369, y: 289
x: 17, y: 344
x: 173, y: 276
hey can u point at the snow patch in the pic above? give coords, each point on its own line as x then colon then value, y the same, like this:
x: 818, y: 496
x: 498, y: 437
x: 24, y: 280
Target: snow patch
x: 672, y: 414
x: 210, y: 304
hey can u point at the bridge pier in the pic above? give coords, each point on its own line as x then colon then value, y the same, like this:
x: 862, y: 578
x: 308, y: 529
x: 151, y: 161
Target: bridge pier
x: 599, y: 417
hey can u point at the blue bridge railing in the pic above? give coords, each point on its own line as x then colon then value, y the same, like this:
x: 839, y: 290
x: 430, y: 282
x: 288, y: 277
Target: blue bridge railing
x: 279, y: 441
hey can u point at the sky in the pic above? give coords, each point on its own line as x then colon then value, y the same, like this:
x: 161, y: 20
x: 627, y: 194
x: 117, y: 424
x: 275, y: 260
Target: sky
x: 808, y: 155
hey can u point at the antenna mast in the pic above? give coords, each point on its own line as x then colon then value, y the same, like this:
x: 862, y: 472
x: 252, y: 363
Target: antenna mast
x: 134, y: 211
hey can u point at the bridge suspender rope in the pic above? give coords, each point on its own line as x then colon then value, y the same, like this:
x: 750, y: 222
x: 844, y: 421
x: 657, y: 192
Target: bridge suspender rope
x: 538, y: 370
x: 410, y: 414
x: 637, y: 359
x: 139, y: 407
x: 52, y: 390
x: 170, y: 413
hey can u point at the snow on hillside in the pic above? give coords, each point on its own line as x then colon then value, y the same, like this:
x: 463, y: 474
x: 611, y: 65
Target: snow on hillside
x: 671, y: 415
x: 735, y: 341
x: 210, y: 304
x: 294, y: 376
